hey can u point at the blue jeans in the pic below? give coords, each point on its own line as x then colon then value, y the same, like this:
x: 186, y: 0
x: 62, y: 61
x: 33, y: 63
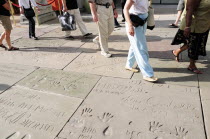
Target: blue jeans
x: 138, y: 50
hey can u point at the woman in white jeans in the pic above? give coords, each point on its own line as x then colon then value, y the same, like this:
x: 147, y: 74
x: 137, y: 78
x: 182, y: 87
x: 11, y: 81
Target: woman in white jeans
x: 138, y: 50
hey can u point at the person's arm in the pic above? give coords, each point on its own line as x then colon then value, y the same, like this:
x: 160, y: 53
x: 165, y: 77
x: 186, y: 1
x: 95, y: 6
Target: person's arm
x: 93, y: 11
x: 126, y: 9
x: 64, y: 6
x: 33, y: 2
x: 115, y: 11
x: 191, y: 8
x: 6, y: 6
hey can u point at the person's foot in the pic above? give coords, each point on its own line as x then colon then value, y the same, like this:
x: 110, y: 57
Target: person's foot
x: 132, y: 69
x: 13, y: 48
x: 194, y: 70
x: 176, y: 55
x: 117, y: 26
x: 173, y: 25
x: 95, y: 40
x: 35, y: 38
x: 123, y: 20
x: 106, y: 54
x: 150, y: 79
x: 3, y: 46
x: 87, y: 35
x: 69, y: 37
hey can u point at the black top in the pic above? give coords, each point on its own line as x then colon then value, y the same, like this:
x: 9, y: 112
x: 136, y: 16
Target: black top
x: 3, y: 11
x: 71, y: 4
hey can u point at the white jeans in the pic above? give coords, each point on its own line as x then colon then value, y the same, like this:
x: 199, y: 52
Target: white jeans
x: 79, y: 22
x: 138, y: 50
x: 105, y: 25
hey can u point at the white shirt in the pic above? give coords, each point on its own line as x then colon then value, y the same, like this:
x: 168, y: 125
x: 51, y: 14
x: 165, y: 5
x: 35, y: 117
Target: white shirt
x: 25, y: 3
x: 139, y: 7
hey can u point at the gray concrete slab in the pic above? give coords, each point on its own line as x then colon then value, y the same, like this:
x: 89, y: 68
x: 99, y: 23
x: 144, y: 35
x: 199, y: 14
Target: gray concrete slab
x: 171, y: 72
x: 51, y: 57
x: 12, y: 73
x: 95, y: 63
x: 31, y: 114
x: 61, y: 82
x: 205, y: 98
x: 121, y: 109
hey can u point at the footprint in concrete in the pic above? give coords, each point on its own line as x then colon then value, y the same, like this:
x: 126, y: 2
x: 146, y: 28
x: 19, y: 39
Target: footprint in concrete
x: 107, y: 131
x: 106, y: 117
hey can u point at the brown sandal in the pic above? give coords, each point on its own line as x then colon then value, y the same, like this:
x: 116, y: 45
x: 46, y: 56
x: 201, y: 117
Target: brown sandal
x: 176, y: 57
x: 3, y: 46
x: 13, y: 49
x: 195, y: 70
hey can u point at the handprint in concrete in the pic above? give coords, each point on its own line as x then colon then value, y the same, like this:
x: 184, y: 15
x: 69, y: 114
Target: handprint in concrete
x: 106, y: 117
x: 86, y: 112
x: 181, y: 133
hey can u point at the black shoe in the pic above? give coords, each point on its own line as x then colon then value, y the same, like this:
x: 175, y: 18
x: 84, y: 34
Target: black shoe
x: 34, y: 37
x: 117, y: 26
x: 87, y: 35
x: 123, y: 20
x: 69, y: 38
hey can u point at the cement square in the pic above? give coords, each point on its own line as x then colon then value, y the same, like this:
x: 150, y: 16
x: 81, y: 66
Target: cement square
x: 50, y: 57
x: 95, y: 63
x: 12, y: 73
x: 32, y: 114
x: 61, y: 82
x: 171, y: 72
x: 121, y: 109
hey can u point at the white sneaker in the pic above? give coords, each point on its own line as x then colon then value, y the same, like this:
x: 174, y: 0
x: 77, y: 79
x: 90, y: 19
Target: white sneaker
x: 150, y: 79
x: 96, y: 41
x: 106, y: 54
x: 132, y: 69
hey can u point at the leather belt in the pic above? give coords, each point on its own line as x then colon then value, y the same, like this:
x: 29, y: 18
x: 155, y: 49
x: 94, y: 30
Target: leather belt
x: 106, y: 5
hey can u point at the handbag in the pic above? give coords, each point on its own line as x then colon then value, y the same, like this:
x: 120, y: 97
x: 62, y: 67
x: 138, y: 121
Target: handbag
x: 151, y: 18
x: 137, y: 21
x: 29, y: 12
x: 67, y: 22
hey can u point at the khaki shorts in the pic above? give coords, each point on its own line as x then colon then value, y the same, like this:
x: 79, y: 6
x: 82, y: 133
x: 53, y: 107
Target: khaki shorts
x: 6, y: 22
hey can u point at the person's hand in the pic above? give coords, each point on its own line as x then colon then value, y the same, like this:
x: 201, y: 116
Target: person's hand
x: 65, y: 9
x: 37, y: 8
x: 131, y: 30
x: 115, y: 13
x: 95, y: 17
x: 21, y: 11
x: 187, y: 32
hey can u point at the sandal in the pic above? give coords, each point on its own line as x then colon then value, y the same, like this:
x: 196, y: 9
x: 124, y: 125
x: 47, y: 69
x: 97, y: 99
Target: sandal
x: 176, y: 57
x: 13, y: 49
x: 195, y: 70
x: 173, y: 26
x: 3, y: 46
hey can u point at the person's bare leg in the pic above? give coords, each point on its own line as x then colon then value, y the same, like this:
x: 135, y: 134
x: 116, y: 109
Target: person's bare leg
x: 192, y: 67
x: 2, y: 38
x: 7, y: 35
x: 178, y: 16
x: 178, y: 51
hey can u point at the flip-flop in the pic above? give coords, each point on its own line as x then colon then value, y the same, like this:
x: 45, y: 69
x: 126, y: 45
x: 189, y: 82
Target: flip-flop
x: 176, y: 57
x: 2, y: 46
x: 195, y: 70
x: 13, y: 49
x: 173, y: 26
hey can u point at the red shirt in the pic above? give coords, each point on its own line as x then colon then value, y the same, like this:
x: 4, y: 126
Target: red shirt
x: 55, y: 5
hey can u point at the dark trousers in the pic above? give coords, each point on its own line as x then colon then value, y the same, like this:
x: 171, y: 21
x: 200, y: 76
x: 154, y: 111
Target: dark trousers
x: 31, y: 26
x: 123, y: 5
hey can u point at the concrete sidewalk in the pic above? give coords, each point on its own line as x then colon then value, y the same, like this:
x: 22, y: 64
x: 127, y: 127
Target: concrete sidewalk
x: 55, y: 88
